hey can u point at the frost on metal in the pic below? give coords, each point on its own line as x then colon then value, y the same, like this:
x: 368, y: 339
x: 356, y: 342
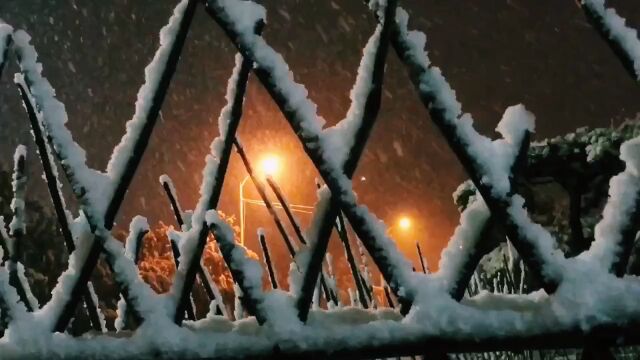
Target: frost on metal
x: 455, y: 308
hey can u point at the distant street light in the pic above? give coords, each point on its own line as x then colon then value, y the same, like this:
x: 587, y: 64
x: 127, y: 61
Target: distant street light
x: 404, y: 223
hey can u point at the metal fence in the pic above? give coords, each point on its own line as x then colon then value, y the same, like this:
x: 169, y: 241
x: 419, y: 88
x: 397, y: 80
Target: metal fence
x: 588, y: 301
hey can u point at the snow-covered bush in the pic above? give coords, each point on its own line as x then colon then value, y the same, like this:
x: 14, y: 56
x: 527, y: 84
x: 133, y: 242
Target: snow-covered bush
x: 573, y: 167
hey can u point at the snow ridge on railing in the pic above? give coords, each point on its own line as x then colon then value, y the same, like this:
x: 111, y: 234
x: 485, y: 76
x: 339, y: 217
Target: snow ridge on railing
x: 624, y: 39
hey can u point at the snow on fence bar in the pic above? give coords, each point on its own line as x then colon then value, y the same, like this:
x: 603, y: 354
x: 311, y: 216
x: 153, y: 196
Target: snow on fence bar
x: 584, y: 300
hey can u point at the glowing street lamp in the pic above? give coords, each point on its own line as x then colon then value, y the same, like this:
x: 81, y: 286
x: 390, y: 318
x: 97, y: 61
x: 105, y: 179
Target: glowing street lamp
x: 404, y: 223
x: 269, y: 166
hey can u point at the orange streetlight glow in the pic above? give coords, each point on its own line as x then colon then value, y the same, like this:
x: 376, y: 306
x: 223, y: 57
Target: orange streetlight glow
x: 404, y: 223
x: 270, y: 165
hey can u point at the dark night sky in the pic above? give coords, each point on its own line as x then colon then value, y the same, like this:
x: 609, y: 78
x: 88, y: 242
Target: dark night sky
x: 495, y: 53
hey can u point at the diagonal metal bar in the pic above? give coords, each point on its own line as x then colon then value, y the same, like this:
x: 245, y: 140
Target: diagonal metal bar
x: 423, y: 266
x: 141, y: 142
x: 328, y: 218
x: 355, y: 273
x: 330, y: 296
x: 481, y: 243
x: 267, y: 260
x: 173, y: 200
x: 175, y: 251
x: 122, y: 184
x: 287, y: 210
x: 169, y: 190
x: 4, y: 56
x: 211, y: 201
x: 598, y: 22
x: 302, y: 122
x: 100, y: 236
x: 446, y: 122
x: 262, y: 191
x: 241, y: 267
x: 17, y: 228
x: 54, y: 186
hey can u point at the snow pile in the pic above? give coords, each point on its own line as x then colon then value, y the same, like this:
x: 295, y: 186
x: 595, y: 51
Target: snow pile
x: 616, y: 27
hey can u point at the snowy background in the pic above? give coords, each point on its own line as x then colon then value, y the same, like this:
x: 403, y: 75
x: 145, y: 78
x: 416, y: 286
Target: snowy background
x: 540, y: 53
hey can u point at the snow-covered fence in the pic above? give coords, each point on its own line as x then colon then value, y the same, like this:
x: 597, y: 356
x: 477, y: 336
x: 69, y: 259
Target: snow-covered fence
x: 585, y: 299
